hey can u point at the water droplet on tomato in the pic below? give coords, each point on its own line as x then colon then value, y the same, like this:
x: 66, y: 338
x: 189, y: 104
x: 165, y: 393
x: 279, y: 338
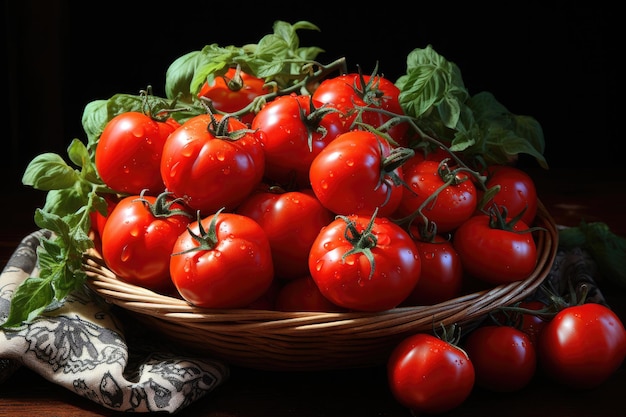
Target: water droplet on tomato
x: 350, y: 162
x: 319, y: 265
x: 126, y: 253
x: 429, y: 255
x: 187, y: 150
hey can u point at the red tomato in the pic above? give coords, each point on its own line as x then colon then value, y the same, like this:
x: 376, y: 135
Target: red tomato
x: 138, y: 237
x: 364, y: 264
x: 429, y: 375
x: 212, y: 165
x: 495, y: 254
x: 441, y: 277
x: 522, y: 315
x: 233, y: 91
x: 128, y: 154
x: 223, y: 261
x: 302, y: 294
x: 582, y: 346
x: 445, y: 197
x: 504, y: 357
x: 353, y: 175
x: 292, y: 135
x: 517, y: 191
x: 349, y: 91
x: 292, y: 220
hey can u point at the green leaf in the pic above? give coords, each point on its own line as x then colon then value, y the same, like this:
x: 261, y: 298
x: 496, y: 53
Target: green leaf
x: 29, y: 300
x: 48, y: 171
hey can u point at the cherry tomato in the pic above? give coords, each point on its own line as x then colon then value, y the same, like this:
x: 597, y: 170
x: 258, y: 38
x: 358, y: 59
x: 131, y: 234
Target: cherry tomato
x: 223, y: 261
x: 233, y: 91
x: 441, y: 277
x: 303, y: 294
x: 138, y: 237
x: 495, y: 254
x: 354, y: 174
x: 350, y: 91
x: 517, y: 191
x: 292, y: 134
x: 445, y: 197
x: 212, y: 163
x: 365, y: 264
x: 128, y: 153
x: 429, y: 375
x: 292, y: 220
x: 504, y: 357
x: 582, y: 345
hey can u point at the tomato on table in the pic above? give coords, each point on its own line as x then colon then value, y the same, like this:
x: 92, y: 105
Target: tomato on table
x: 582, y: 345
x: 429, y: 375
x: 224, y: 260
x: 504, y: 357
x: 138, y: 237
x: 364, y: 263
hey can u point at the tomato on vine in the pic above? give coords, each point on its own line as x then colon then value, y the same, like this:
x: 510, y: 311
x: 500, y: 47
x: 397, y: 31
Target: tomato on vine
x: 494, y: 249
x: 364, y: 263
x: 233, y: 91
x: 437, y: 193
x: 293, y: 130
x: 354, y: 94
x: 357, y: 173
x: 212, y: 162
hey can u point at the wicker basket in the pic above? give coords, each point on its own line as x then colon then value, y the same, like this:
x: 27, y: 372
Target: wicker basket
x: 273, y: 340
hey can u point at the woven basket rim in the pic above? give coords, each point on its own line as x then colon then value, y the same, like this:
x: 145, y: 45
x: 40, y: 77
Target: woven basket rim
x: 294, y: 339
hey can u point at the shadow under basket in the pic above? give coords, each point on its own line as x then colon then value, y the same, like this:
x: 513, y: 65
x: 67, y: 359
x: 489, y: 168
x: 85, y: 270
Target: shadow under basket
x: 310, y: 341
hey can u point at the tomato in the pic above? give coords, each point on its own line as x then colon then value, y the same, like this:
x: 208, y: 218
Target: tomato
x: 303, y: 294
x: 355, y: 174
x: 522, y: 315
x: 292, y: 134
x: 212, y: 163
x: 223, y: 261
x: 504, y: 357
x: 493, y: 253
x: 292, y: 220
x: 138, y: 237
x: 234, y: 91
x: 441, y: 277
x: 517, y: 191
x: 582, y: 345
x: 429, y: 375
x: 348, y: 92
x: 365, y: 264
x: 443, y: 195
x: 128, y: 153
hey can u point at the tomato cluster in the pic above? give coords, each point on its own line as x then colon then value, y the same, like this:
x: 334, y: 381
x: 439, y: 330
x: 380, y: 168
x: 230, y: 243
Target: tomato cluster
x: 336, y: 201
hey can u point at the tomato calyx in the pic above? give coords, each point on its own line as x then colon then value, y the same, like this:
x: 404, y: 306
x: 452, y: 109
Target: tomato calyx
x: 207, y: 239
x: 369, y: 91
x: 362, y: 242
x: 498, y: 220
x: 313, y: 120
x: 220, y: 128
x: 162, y: 206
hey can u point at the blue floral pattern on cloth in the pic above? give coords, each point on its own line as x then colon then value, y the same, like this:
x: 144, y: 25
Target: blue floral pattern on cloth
x: 83, y: 346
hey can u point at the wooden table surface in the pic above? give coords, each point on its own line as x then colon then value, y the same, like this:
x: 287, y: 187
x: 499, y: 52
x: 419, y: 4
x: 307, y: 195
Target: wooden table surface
x: 569, y: 195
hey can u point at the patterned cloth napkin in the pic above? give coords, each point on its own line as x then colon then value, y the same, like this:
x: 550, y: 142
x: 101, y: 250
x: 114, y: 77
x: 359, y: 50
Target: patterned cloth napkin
x: 83, y: 346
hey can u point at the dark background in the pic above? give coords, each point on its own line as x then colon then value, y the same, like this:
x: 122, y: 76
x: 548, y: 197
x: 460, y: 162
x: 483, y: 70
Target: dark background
x: 554, y: 61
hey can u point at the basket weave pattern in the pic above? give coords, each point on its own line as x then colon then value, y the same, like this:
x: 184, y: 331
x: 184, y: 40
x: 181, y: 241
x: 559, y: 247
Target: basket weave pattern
x: 274, y: 340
